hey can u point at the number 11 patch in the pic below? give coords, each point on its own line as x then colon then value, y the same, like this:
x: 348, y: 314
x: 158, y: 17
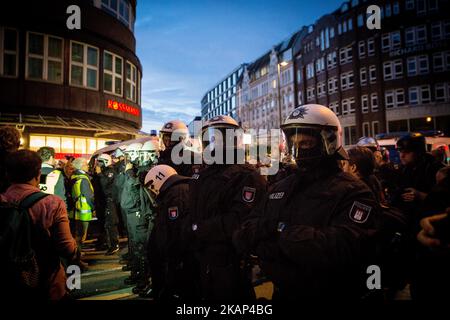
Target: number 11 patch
x: 359, y: 212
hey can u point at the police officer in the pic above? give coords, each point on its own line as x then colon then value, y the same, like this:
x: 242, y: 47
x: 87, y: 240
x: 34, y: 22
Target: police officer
x: 174, y: 134
x: 170, y: 258
x: 139, y: 210
x: 106, y: 179
x: 222, y: 195
x: 313, y: 231
x: 52, y: 179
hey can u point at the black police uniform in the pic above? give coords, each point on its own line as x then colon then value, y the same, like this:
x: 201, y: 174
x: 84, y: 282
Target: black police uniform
x: 119, y: 167
x: 313, y: 235
x: 183, y: 169
x: 106, y: 180
x: 221, y: 197
x: 171, y: 259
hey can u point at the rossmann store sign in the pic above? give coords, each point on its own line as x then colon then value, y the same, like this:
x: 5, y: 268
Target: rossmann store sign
x: 123, y: 107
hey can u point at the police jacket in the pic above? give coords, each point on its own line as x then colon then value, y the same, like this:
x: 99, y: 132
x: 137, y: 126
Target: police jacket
x: 134, y: 197
x: 221, y: 197
x: 106, y: 179
x: 172, y: 210
x: 314, y: 234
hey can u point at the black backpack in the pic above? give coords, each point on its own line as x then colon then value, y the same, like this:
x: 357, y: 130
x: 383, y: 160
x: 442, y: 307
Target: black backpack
x: 20, y: 265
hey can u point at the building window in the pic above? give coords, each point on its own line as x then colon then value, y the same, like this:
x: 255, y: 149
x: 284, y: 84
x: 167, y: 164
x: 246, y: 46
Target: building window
x: 334, y: 106
x: 348, y: 106
x: 331, y: 32
x: 310, y: 70
x: 331, y: 60
x: 375, y: 128
x: 321, y: 91
x: 396, y: 8
x: 366, y: 129
x: 412, y: 66
x: 83, y: 65
x: 423, y: 64
x: 120, y: 9
x: 44, y: 57
x: 413, y: 95
x: 387, y: 70
x: 410, y: 36
x: 365, y: 103
x: 339, y: 29
x: 332, y: 85
x: 345, y: 55
x: 374, y: 102
x: 392, y: 69
x: 436, y: 30
x: 432, y: 5
x: 409, y: 5
x: 360, y: 20
x: 112, y: 73
x: 362, y: 49
x: 399, y: 97
x: 372, y: 74
x: 425, y: 94
x: 347, y: 80
x: 389, y: 99
x: 131, y: 81
x: 421, y: 34
x: 363, y: 76
x: 385, y: 42
x: 370, y: 47
x: 9, y: 48
x: 421, y: 7
x: 440, y: 92
x: 438, y: 62
x: 350, y: 135
x: 350, y: 24
x: 447, y: 29
x: 310, y: 95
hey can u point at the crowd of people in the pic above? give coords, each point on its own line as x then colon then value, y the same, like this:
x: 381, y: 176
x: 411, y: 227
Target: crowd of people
x: 196, y: 231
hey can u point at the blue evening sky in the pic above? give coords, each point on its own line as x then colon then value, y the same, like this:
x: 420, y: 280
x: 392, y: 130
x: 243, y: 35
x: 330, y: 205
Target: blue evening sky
x: 187, y: 46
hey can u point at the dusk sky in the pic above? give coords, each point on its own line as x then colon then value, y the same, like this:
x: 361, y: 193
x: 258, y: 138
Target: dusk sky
x: 187, y: 46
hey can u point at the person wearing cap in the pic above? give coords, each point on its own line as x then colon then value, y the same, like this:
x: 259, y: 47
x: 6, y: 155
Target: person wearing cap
x: 170, y: 257
x: 418, y: 172
x: 222, y: 195
x: 313, y: 231
x: 172, y: 134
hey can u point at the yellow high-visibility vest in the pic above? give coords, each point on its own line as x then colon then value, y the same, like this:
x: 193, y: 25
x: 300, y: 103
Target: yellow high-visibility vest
x: 82, y: 210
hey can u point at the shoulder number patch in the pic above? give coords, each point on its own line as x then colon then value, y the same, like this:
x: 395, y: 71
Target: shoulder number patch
x: 248, y: 194
x: 276, y: 196
x: 173, y: 213
x: 359, y: 212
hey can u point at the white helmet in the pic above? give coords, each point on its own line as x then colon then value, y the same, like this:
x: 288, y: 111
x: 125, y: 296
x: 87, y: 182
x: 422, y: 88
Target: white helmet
x: 368, y: 142
x: 149, y: 151
x: 173, y: 132
x: 133, y: 150
x: 157, y: 176
x: 218, y: 123
x: 105, y: 159
x: 319, y: 122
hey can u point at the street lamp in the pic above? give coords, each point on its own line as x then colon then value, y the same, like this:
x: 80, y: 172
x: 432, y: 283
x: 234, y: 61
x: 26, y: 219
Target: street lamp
x: 429, y: 119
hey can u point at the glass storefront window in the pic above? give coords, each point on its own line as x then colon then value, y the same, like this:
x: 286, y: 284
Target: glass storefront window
x: 92, y: 146
x: 36, y: 142
x: 54, y: 142
x: 80, y: 146
x: 101, y: 144
x: 67, y: 145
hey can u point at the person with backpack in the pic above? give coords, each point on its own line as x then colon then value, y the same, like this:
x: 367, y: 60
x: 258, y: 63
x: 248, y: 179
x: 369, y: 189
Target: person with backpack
x: 34, y: 234
x: 83, y: 199
x: 52, y: 179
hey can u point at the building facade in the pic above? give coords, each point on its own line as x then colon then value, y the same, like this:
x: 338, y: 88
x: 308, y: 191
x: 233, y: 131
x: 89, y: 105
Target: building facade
x: 70, y: 89
x: 393, y: 79
x: 221, y: 99
x: 266, y: 90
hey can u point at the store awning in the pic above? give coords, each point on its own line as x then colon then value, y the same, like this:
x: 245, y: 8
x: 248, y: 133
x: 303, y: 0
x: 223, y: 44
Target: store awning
x: 99, y: 127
